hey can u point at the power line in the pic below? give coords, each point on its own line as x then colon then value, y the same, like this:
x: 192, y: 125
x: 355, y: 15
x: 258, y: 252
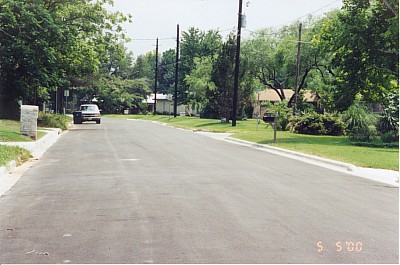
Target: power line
x: 319, y: 9
x: 153, y: 39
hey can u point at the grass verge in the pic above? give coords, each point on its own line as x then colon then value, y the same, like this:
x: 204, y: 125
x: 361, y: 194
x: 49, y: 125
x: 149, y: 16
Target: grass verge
x: 10, y: 153
x: 332, y: 147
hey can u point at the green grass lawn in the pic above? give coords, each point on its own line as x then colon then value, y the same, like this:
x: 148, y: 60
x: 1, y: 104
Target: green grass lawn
x: 9, y: 132
x: 10, y: 153
x: 332, y: 147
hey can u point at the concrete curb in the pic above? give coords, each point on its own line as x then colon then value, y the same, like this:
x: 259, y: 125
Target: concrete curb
x: 345, y: 166
x: 40, y: 146
x: 380, y: 175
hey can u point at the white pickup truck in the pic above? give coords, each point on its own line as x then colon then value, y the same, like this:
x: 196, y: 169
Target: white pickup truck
x: 90, y: 112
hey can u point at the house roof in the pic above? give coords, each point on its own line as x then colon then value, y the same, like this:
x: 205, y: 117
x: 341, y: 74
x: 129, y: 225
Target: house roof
x: 272, y: 96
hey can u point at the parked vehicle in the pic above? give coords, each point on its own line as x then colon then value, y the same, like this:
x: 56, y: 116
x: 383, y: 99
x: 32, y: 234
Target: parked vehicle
x: 90, y: 112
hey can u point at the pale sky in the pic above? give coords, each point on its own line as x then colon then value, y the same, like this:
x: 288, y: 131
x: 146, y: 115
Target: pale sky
x: 158, y: 18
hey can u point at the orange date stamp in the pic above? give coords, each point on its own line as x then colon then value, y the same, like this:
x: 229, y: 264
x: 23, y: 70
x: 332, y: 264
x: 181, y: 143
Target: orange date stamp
x: 347, y: 246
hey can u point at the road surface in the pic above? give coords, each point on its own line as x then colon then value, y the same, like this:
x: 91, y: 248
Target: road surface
x: 137, y: 192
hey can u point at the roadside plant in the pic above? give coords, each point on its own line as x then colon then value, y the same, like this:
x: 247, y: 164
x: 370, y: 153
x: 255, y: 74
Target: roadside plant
x: 388, y: 123
x: 316, y: 124
x: 360, y: 122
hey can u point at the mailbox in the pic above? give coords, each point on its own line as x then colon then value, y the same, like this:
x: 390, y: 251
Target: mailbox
x: 269, y: 117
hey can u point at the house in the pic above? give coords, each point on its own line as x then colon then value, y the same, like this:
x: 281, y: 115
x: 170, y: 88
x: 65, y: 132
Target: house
x: 270, y: 95
x: 165, y: 104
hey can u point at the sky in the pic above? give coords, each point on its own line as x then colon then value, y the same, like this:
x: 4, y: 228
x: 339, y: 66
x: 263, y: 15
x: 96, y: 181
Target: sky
x: 158, y: 18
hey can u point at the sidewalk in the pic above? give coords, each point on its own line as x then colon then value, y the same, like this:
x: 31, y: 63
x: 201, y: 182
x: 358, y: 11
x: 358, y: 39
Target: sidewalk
x: 10, y: 173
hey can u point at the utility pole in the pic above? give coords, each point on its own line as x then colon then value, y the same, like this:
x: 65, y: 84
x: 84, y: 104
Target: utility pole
x: 296, y: 84
x: 176, y: 72
x: 236, y: 81
x: 155, y: 80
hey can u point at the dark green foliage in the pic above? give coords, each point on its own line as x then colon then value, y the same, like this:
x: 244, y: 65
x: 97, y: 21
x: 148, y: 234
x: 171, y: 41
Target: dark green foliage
x: 390, y: 137
x: 389, y: 121
x: 316, y: 124
x: 209, y: 112
x: 376, y: 144
x: 53, y: 121
x: 333, y: 125
x: 362, y: 134
x: 248, y: 110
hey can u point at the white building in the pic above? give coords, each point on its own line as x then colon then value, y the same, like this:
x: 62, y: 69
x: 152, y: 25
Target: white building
x: 165, y: 105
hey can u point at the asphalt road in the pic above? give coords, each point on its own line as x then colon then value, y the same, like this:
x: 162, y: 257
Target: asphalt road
x: 136, y: 192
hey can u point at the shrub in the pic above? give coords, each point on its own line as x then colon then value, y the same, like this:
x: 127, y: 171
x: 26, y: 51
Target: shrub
x: 389, y: 121
x: 357, y: 118
x: 333, y: 125
x: 362, y: 134
x: 316, y: 124
x: 208, y: 112
x: 53, y: 120
x: 390, y: 137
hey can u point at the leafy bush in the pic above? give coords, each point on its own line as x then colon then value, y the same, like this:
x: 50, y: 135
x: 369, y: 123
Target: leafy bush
x: 362, y: 134
x: 316, y: 124
x: 208, y: 112
x: 357, y: 118
x: 333, y: 125
x: 389, y: 121
x: 360, y: 122
x: 53, y: 120
x: 390, y: 137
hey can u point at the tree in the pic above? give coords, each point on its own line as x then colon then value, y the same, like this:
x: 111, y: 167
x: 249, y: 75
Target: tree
x: 220, y: 92
x: 166, y: 75
x: 363, y: 40
x: 272, y: 56
x: 44, y: 44
x: 144, y: 67
x: 195, y: 44
x: 199, y: 81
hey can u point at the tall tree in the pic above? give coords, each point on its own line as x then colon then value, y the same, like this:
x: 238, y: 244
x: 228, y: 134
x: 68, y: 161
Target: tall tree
x: 44, y: 44
x: 363, y: 40
x: 272, y: 56
x: 166, y: 76
x: 195, y: 44
x: 220, y: 92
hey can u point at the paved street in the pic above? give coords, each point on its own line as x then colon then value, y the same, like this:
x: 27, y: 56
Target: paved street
x: 138, y: 192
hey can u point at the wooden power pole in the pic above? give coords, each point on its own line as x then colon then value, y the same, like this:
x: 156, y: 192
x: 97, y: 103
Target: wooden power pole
x: 296, y: 84
x: 155, y: 80
x: 237, y: 63
x: 176, y: 72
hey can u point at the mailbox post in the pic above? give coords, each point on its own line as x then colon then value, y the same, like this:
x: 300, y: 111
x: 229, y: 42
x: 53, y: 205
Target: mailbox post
x: 272, y: 119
